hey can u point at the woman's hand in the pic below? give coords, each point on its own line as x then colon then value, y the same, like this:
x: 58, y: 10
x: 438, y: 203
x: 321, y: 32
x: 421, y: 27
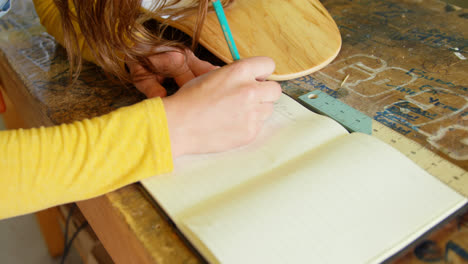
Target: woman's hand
x: 182, y: 67
x: 222, y: 109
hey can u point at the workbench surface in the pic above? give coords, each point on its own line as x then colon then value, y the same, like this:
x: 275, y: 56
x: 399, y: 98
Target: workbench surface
x: 404, y: 63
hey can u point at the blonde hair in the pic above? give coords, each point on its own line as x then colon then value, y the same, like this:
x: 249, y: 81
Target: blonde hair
x: 115, y: 32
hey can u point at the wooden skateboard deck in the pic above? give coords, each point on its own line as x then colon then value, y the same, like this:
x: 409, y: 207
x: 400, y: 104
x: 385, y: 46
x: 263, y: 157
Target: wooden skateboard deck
x: 300, y: 35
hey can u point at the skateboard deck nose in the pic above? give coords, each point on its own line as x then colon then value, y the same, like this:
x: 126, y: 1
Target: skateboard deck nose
x: 300, y: 35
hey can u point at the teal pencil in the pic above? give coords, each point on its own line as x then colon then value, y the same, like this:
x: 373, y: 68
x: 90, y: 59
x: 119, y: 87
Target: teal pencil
x: 226, y: 30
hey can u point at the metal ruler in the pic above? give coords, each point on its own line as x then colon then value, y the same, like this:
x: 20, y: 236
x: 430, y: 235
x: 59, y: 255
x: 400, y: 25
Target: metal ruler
x: 350, y: 118
x: 355, y: 121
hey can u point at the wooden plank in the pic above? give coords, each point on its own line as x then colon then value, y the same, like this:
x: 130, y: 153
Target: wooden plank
x: 380, y: 38
x: 405, y: 66
x: 51, y: 231
x: 282, y: 30
x: 112, y: 232
x: 132, y: 231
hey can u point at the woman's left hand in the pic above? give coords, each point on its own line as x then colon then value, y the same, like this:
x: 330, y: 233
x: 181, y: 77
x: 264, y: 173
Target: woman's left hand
x: 182, y: 67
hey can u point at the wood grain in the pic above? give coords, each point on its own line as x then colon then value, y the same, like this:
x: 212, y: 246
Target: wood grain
x: 50, y: 228
x: 105, y: 221
x: 382, y: 42
x: 132, y: 231
x: 300, y: 35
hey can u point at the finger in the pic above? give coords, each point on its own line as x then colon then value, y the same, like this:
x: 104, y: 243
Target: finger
x: 174, y: 64
x: 197, y: 66
x: 268, y: 91
x: 185, y: 77
x: 151, y: 87
x: 170, y: 63
x: 257, y: 68
x: 139, y: 73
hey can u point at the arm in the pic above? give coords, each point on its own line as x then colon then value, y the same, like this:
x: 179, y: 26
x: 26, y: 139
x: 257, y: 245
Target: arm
x: 218, y: 111
x: 45, y: 167
x: 50, y: 19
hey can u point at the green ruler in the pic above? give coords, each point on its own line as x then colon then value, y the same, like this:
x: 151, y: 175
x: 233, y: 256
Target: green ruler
x: 355, y: 121
x: 350, y: 118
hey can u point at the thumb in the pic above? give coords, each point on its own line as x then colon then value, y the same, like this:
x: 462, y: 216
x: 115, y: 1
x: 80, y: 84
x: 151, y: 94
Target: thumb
x: 256, y: 68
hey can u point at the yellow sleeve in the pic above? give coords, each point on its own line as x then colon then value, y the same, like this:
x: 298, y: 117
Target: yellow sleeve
x: 51, y: 20
x: 44, y: 167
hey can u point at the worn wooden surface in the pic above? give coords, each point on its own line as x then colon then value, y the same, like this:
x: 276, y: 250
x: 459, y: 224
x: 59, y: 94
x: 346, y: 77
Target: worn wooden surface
x: 406, y: 63
x: 282, y: 30
x: 51, y: 231
x: 406, y: 66
x: 111, y: 216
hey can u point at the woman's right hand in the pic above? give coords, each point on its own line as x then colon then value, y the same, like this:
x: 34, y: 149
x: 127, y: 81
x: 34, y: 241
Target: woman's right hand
x: 222, y: 109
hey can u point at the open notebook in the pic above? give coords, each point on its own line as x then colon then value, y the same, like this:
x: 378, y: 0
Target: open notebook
x: 305, y: 191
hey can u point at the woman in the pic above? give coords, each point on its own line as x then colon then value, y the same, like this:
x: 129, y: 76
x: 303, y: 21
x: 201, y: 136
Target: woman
x: 113, y: 34
x: 49, y: 166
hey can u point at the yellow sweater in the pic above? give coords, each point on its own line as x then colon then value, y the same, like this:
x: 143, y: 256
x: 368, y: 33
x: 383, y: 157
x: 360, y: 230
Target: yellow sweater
x: 44, y: 167
x: 50, y: 19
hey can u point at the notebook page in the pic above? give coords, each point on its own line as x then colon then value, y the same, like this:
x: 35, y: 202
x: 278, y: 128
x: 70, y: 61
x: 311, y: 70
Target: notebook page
x: 291, y: 131
x: 355, y: 200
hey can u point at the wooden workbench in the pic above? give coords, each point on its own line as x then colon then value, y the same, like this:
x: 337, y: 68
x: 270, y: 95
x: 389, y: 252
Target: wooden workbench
x: 405, y: 64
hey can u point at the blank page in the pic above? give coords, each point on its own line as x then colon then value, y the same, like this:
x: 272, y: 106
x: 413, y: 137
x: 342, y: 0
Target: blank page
x: 291, y: 131
x: 353, y: 200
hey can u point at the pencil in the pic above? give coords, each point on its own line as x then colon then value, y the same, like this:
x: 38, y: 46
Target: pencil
x: 226, y: 30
